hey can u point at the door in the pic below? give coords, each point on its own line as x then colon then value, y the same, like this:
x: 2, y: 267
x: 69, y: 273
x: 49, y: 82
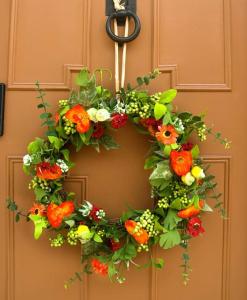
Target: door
x: 200, y: 47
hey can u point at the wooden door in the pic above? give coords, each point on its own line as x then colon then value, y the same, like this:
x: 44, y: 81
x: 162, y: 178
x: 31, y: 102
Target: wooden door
x: 200, y: 48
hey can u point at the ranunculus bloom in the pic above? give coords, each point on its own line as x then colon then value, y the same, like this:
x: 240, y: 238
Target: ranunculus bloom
x: 119, y: 120
x: 38, y: 209
x: 187, y: 147
x: 194, y: 227
x: 141, y: 236
x: 46, y: 171
x: 167, y: 135
x: 93, y: 213
x: 98, y: 131
x: 99, y: 267
x: 56, y: 213
x: 80, y: 117
x: 191, y: 211
x: 181, y: 162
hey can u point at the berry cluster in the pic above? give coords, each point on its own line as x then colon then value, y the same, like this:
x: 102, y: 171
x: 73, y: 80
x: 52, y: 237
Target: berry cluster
x: 156, y: 97
x: 202, y: 133
x: 58, y: 241
x: 72, y: 237
x: 147, y: 222
x: 142, y: 247
x: 40, y: 183
x: 63, y: 103
x: 69, y: 126
x: 138, y: 107
x: 163, y: 203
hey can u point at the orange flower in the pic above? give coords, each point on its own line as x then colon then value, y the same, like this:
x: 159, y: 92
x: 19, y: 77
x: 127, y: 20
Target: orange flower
x: 56, y: 213
x: 181, y: 162
x: 45, y: 170
x: 167, y: 135
x: 191, y: 211
x: 141, y: 236
x: 99, y: 267
x: 38, y: 209
x: 80, y: 117
x: 56, y: 117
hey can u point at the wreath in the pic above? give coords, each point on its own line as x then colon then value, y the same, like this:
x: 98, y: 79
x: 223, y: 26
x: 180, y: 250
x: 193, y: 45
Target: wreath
x: 179, y: 180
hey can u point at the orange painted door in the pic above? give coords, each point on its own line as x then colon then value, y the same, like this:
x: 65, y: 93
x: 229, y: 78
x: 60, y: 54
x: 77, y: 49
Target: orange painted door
x: 200, y: 47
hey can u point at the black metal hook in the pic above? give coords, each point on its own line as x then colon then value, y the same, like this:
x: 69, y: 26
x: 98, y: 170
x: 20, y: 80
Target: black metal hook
x: 121, y: 16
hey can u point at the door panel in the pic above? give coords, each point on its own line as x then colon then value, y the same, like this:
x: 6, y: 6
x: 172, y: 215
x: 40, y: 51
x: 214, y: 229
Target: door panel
x: 200, y: 48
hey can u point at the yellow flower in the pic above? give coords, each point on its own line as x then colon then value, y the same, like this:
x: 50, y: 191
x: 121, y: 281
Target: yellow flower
x: 188, y: 179
x: 84, y: 232
x: 198, y: 172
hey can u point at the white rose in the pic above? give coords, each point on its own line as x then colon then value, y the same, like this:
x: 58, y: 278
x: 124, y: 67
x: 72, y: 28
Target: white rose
x: 102, y: 115
x: 188, y: 179
x: 92, y: 114
x: 27, y: 159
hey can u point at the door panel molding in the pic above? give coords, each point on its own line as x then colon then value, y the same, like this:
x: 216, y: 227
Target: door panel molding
x: 10, y: 245
x: 68, y: 69
x: 174, y: 69
x: 225, y: 263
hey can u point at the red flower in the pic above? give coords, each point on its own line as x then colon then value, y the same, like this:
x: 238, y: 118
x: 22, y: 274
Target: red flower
x: 141, y: 236
x: 187, y: 146
x: 80, y: 117
x: 151, y: 124
x: 114, y: 245
x: 119, y: 120
x: 98, y: 131
x: 194, y: 227
x: 56, y: 213
x: 181, y: 162
x: 45, y: 170
x: 99, y: 267
x: 38, y: 209
x: 93, y: 213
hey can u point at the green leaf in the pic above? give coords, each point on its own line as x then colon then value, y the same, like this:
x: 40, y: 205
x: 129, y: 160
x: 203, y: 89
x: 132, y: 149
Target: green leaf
x: 82, y: 79
x: 108, y: 142
x: 171, y: 219
x: 35, y: 146
x: 45, y: 115
x: 11, y: 205
x: 170, y: 239
x: 64, y: 110
x: 40, y: 223
x: 168, y: 96
x: 176, y: 204
x: 151, y: 162
x: 159, y: 110
x: 39, y: 193
x: 97, y: 238
x: 207, y: 208
x: 161, y: 174
x: 167, y: 118
x: 158, y: 263
x: 65, y: 153
x: 71, y: 223
x: 139, y: 81
x: 195, y: 151
x: 167, y: 150
x: 55, y: 141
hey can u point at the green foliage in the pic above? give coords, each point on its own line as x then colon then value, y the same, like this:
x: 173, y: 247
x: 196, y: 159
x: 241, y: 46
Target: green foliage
x: 40, y: 223
x: 168, y: 96
x: 171, y: 220
x: 159, y: 110
x: 169, y: 239
x: 161, y: 175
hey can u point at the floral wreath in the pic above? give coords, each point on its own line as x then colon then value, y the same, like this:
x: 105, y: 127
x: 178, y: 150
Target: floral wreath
x: 179, y: 181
